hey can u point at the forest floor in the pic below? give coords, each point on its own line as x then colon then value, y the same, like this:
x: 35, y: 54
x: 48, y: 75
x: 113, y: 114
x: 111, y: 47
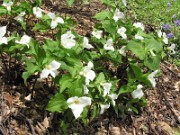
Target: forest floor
x: 20, y: 115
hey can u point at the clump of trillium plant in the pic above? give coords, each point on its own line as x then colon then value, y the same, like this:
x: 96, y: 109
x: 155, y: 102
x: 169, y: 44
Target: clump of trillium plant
x: 76, y: 65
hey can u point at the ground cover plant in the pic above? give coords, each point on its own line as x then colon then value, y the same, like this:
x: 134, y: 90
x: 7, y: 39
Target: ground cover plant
x: 87, y: 75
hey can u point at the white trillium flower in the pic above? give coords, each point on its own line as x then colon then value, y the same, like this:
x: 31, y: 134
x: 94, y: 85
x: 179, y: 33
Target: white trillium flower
x: 86, y: 90
x: 152, y: 79
x: 3, y: 40
x: 113, y: 97
x: 77, y: 104
x: 37, y: 12
x: 20, y: 17
x: 97, y: 34
x: 25, y: 39
x: 109, y: 45
x: 137, y: 36
x: 163, y: 35
x: 122, y: 51
x: 138, y: 93
x: 86, y: 43
x: 118, y: 15
x: 104, y: 107
x: 139, y: 25
x: 121, y: 31
x: 67, y: 40
x: 50, y: 69
x: 8, y: 5
x: 171, y: 48
x: 106, y: 87
x: 55, y: 20
x: 88, y: 73
x: 124, y: 2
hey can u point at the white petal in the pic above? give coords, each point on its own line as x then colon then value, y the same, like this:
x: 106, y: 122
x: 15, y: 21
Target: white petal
x: 152, y: 79
x: 159, y: 33
x: 54, y: 24
x: 51, y: 15
x: 44, y: 73
x: 90, y: 65
x: 67, y: 40
x: 139, y: 25
x: 103, y: 107
x: 37, y: 12
x: 97, y: 34
x: 85, y: 101
x: 113, y: 96
x: 106, y: 87
x: 118, y: 15
x: 59, y: 20
x: 77, y: 112
x: 122, y: 51
x: 137, y: 36
x: 19, y: 18
x: 109, y: 45
x: 54, y: 65
x: 3, y: 40
x: 121, y: 31
x: 90, y: 75
x: 86, y: 43
x: 138, y: 93
x: 25, y: 39
x: 124, y: 2
x: 2, y: 31
x: 86, y: 90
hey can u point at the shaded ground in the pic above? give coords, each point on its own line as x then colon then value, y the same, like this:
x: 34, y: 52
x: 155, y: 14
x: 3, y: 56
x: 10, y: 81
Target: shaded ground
x: 21, y: 115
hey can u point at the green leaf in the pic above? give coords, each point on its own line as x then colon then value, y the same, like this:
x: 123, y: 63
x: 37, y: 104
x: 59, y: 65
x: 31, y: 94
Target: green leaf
x: 152, y: 44
x: 109, y: 3
x: 39, y: 2
x: 109, y: 27
x: 153, y: 62
x: 103, y: 15
x: 3, y: 10
x: 65, y: 82
x: 100, y: 78
x: 124, y: 89
x: 76, y: 88
x: 41, y: 26
x: 137, y: 48
x: 70, y: 2
x: 57, y: 103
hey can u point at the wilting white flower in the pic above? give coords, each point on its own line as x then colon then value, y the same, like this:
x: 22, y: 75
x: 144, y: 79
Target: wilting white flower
x: 97, y: 34
x: 139, y: 25
x: 50, y: 69
x: 113, y: 97
x: 37, y: 12
x: 138, y: 93
x: 67, y: 40
x: 104, y: 107
x: 8, y: 5
x: 88, y: 73
x: 3, y: 40
x: 55, y: 20
x: 20, y: 17
x: 77, y: 104
x: 124, y: 2
x: 109, y: 45
x: 86, y: 43
x: 163, y: 35
x: 171, y: 48
x: 25, y: 39
x: 122, y: 51
x: 121, y: 31
x: 86, y: 90
x: 118, y: 15
x: 152, y: 79
x: 137, y: 36
x: 106, y: 87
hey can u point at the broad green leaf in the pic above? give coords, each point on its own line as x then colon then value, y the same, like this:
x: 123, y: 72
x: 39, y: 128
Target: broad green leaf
x: 76, y: 88
x: 41, y: 26
x: 152, y: 63
x: 65, y: 82
x: 57, y: 103
x: 70, y: 2
x: 137, y: 48
x: 152, y: 44
x: 39, y: 2
x: 2, y: 10
x: 109, y: 27
x: 100, y: 78
x: 103, y: 15
x: 109, y: 3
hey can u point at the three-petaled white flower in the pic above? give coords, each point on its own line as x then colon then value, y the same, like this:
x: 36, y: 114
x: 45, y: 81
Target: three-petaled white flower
x: 97, y: 34
x: 118, y: 15
x: 122, y: 51
x: 50, y: 69
x: 25, y: 39
x: 20, y: 17
x: 113, y: 97
x: 104, y: 107
x: 55, y: 20
x: 109, y: 45
x: 67, y: 40
x: 8, y: 5
x: 77, y: 104
x: 3, y: 40
x: 139, y: 25
x: 86, y: 43
x: 106, y: 87
x: 172, y: 48
x: 152, y: 79
x: 163, y: 35
x: 139, y: 37
x: 138, y: 93
x: 121, y: 31
x: 88, y: 73
x: 37, y: 12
